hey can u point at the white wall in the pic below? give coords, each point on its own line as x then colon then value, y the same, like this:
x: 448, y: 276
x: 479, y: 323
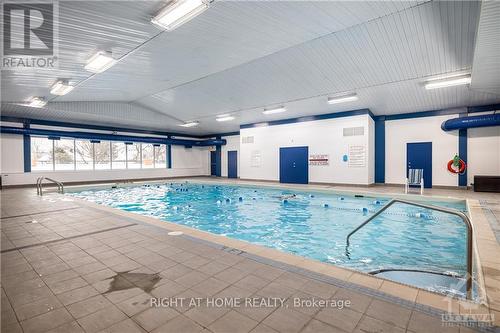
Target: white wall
x: 483, y: 152
x: 233, y: 143
x: 426, y: 129
x: 322, y: 137
x: 12, y: 153
x: 185, y: 162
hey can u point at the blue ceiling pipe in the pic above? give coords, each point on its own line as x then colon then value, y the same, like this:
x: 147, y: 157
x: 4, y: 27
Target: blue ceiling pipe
x: 486, y: 120
x: 111, y: 137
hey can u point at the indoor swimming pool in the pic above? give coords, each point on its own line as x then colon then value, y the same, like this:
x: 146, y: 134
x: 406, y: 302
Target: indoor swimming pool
x: 312, y: 224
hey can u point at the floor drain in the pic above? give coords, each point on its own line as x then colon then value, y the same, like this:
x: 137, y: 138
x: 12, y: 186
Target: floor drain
x: 175, y: 233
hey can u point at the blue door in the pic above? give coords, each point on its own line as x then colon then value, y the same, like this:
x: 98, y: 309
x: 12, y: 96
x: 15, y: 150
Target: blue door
x: 213, y: 163
x: 419, y: 156
x: 294, y: 166
x: 232, y: 164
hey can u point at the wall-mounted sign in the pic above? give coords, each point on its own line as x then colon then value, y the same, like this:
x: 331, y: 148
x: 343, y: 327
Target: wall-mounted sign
x: 255, y: 159
x: 357, y: 156
x: 319, y: 159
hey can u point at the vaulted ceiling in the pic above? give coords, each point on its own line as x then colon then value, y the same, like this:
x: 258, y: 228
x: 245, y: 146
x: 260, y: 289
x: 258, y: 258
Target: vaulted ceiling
x: 241, y: 56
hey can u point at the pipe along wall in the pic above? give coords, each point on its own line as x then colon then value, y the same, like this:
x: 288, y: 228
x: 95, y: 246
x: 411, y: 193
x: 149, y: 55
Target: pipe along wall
x: 112, y: 137
x: 471, y: 122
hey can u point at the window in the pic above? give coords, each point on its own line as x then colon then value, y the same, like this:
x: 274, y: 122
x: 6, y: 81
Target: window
x: 147, y: 156
x: 84, y: 155
x: 134, y: 156
x: 41, y: 154
x: 160, y: 156
x: 64, y: 154
x: 102, y: 155
x: 68, y: 154
x: 119, y: 154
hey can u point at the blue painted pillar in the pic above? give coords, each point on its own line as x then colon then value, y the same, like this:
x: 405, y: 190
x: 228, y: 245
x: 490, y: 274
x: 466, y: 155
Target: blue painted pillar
x: 218, y: 158
x: 27, y: 149
x: 380, y: 149
x: 462, y: 152
x: 169, y: 156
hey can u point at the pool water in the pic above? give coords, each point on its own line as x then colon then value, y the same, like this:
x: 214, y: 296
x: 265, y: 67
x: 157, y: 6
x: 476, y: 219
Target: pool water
x: 312, y: 224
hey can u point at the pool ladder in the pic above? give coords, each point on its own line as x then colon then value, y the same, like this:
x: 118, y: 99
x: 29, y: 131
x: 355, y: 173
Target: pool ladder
x: 455, y: 212
x: 39, y: 185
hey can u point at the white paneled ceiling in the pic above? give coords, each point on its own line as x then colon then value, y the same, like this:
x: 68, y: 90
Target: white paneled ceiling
x: 486, y: 66
x: 241, y: 56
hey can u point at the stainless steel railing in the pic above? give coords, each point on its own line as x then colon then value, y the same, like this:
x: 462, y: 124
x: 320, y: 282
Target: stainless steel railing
x: 464, y: 218
x: 39, y: 185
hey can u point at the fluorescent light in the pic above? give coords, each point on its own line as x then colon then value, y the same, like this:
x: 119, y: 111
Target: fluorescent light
x: 61, y: 88
x: 37, y: 102
x: 224, y: 118
x: 179, y: 12
x: 190, y: 124
x: 275, y: 110
x: 342, y: 99
x: 448, y: 82
x: 99, y: 62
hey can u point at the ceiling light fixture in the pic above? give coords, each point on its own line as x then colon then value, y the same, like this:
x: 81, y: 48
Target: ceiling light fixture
x: 100, y: 61
x: 448, y: 82
x: 60, y: 88
x: 225, y: 118
x: 190, y: 124
x: 179, y: 12
x: 343, y: 98
x: 37, y: 102
x: 274, y: 110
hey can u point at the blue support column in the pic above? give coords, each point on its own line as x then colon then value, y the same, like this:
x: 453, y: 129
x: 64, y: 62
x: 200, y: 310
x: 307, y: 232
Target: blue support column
x: 380, y: 150
x: 218, y: 158
x: 169, y: 156
x: 462, y: 152
x: 27, y: 150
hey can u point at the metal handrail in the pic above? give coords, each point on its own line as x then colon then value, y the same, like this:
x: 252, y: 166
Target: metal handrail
x: 464, y: 218
x: 39, y: 185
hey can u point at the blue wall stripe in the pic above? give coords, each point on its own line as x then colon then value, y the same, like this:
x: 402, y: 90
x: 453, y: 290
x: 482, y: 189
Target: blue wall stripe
x: 27, y: 150
x: 310, y: 118
x: 483, y: 108
x: 432, y: 113
x: 380, y: 151
x: 93, y: 127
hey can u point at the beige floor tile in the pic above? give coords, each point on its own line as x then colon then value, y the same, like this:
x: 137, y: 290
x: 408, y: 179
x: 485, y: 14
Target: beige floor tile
x: 233, y: 322
x: 46, y: 321
x: 388, y: 312
x: 345, y: 319
x: 287, y: 320
x: 101, y: 319
x: 179, y: 324
x: 154, y: 317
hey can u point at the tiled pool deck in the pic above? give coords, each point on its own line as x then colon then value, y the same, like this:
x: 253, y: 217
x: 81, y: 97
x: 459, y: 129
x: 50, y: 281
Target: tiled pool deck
x: 64, y: 262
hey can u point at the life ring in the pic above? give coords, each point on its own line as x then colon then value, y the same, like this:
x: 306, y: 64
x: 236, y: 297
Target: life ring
x: 460, y: 170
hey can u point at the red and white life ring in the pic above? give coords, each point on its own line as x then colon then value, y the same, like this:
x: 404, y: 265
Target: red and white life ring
x: 460, y: 170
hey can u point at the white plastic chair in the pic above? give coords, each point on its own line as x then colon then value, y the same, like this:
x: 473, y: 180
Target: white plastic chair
x: 415, y: 177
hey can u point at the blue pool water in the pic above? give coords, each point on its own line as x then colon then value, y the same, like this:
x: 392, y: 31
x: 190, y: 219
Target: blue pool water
x: 312, y: 224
